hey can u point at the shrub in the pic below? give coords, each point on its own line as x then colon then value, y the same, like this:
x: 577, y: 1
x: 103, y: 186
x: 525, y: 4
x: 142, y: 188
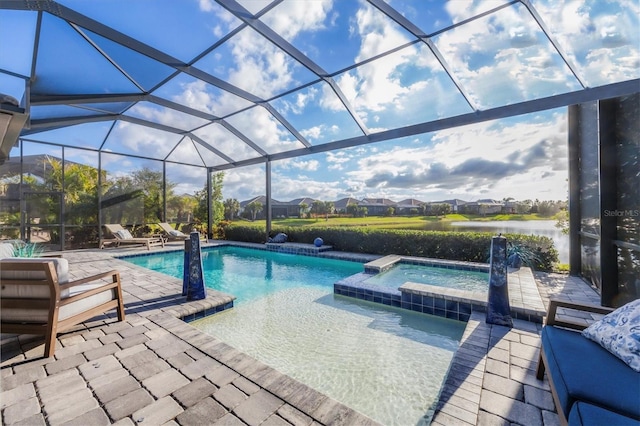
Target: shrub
x: 464, y: 246
x: 21, y: 249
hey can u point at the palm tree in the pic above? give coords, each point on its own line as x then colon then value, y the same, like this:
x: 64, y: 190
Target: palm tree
x: 317, y: 207
x: 303, y: 209
x: 253, y: 208
x: 329, y: 206
x: 231, y: 208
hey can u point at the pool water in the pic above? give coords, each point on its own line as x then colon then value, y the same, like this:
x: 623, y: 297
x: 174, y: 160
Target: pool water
x: 250, y: 274
x: 432, y: 275
x: 385, y: 362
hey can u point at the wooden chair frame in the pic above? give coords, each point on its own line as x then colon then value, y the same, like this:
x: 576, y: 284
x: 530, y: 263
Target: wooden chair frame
x: 53, y: 303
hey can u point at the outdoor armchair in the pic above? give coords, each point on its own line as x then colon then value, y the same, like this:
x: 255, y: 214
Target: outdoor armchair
x: 37, y: 297
x: 123, y: 236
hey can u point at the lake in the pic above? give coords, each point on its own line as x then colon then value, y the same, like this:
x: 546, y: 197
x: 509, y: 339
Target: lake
x: 545, y: 228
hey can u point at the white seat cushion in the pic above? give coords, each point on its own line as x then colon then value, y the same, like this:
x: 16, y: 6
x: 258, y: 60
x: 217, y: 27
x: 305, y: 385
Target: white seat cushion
x: 33, y: 316
x: 62, y: 269
x: 8, y: 291
x: 6, y: 250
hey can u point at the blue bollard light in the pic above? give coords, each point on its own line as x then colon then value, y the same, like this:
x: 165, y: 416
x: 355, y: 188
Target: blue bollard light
x: 498, y: 307
x: 196, y: 289
x: 185, y: 273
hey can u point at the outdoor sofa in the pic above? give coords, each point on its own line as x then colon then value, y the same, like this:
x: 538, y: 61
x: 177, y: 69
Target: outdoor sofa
x: 591, y: 384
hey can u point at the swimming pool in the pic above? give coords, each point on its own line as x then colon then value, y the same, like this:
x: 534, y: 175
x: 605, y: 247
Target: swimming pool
x: 424, y: 274
x: 385, y: 362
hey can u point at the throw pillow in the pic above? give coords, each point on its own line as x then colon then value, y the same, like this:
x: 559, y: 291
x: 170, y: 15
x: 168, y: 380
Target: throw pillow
x: 619, y: 333
x: 124, y: 234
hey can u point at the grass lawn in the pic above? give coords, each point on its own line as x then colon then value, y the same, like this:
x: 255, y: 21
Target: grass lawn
x: 392, y: 222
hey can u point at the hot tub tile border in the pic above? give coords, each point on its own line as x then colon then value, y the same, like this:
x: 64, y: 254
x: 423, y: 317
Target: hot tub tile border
x: 434, y: 300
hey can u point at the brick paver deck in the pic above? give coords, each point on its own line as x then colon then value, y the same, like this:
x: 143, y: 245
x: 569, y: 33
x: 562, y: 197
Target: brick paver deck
x: 156, y: 369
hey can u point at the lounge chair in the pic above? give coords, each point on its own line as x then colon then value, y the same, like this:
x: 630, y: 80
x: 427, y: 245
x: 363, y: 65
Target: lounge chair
x: 37, y: 298
x: 172, y: 234
x: 123, y: 236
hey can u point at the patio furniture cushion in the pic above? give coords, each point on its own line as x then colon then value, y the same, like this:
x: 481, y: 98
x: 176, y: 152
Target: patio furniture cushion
x: 582, y: 370
x: 583, y: 414
x: 41, y: 292
x: 619, y: 333
x: 62, y: 269
x: 6, y: 250
x: 34, y: 316
x: 172, y: 234
x: 124, y: 234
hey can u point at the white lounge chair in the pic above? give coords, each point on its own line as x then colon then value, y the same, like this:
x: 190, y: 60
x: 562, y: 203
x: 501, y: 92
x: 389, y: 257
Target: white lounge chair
x: 172, y: 234
x: 123, y: 236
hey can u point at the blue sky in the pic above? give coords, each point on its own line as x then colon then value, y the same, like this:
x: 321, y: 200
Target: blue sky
x: 499, y: 59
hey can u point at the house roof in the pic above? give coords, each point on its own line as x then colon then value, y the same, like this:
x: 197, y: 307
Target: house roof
x: 344, y: 202
x: 409, y: 202
x: 377, y: 202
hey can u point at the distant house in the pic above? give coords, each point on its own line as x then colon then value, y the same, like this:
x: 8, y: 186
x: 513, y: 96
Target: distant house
x: 510, y: 206
x: 454, y: 203
x: 404, y: 207
x: 341, y: 205
x: 279, y: 209
x: 293, y: 206
x: 377, y: 206
x: 483, y: 207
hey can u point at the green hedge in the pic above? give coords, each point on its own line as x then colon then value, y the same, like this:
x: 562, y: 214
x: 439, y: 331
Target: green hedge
x: 465, y: 246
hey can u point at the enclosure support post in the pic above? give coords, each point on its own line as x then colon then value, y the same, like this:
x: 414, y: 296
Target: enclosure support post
x: 209, y: 205
x: 575, y: 142
x: 268, y: 195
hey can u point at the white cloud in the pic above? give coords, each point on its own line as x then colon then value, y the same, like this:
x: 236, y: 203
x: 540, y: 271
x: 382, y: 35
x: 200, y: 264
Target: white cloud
x: 262, y: 128
x: 312, y: 133
x: 337, y: 159
x: 603, y: 43
x: 166, y: 116
x: 199, y: 95
x: 141, y: 140
x: 485, y: 158
x: 286, y: 188
x: 244, y: 183
x: 292, y: 18
x: 306, y: 165
x: 226, y: 142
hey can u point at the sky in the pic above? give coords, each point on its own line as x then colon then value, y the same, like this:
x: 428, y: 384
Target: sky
x: 523, y: 159
x: 499, y: 59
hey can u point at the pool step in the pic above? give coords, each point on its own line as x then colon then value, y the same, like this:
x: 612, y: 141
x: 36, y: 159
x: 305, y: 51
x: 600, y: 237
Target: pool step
x: 297, y: 248
x: 382, y: 264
